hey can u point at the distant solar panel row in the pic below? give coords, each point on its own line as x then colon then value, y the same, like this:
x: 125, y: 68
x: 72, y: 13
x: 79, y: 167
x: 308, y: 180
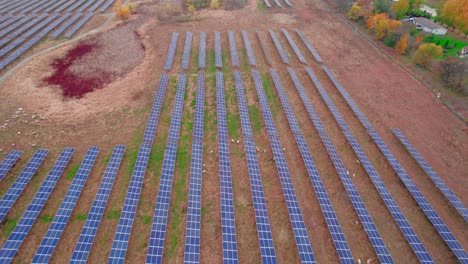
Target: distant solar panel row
x: 267, y: 3
x: 202, y: 51
x: 66, y: 25
x: 106, y: 5
x: 309, y: 46
x: 21, y: 7
x: 86, y: 239
x: 288, y: 3
x: 158, y: 229
x: 264, y: 49
x: 294, y: 46
x: 8, y: 162
x: 20, y: 183
x: 124, y: 228
x: 326, y: 206
x: 20, y: 30
x: 153, y: 119
x: 228, y: 221
x: 277, y: 2
x: 192, y: 230
x: 63, y: 6
x: 187, y: 50
x: 453, y: 199
x: 9, y: 21
x: 295, y: 215
x: 86, y: 5
x: 42, y: 7
x: 267, y: 249
x: 31, y: 7
x: 52, y: 237
x: 218, y: 56
x: 96, y: 5
x: 21, y: 230
x: 278, y: 46
x: 250, y: 53
x: 75, y: 5
x: 171, y: 51
x: 78, y: 25
x: 233, y: 49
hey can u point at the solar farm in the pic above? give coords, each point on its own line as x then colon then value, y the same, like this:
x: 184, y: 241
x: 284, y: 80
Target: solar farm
x: 248, y: 145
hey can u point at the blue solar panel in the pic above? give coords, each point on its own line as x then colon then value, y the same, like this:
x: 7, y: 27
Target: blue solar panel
x: 233, y: 49
x: 57, y: 4
x: 264, y: 49
x: 8, y: 162
x: 75, y: 5
x: 52, y: 237
x: 22, y: 6
x: 331, y: 219
x: 96, y: 5
x: 202, y: 51
x: 295, y: 215
x: 277, y: 2
x: 124, y: 228
x: 414, y: 241
x: 426, y: 207
x: 86, y: 5
x: 42, y: 7
x: 20, y: 183
x: 453, y: 199
x: 158, y: 230
x: 106, y: 5
x: 267, y: 3
x: 63, y: 6
x: 61, y: 29
x: 294, y: 46
x: 13, y: 6
x: 14, y: 26
x: 309, y: 46
x: 288, y: 3
x: 9, y: 21
x: 192, y: 230
x: 218, y: 56
x: 267, y: 249
x: 153, y: 119
x: 78, y: 25
x: 187, y: 50
x: 21, y: 230
x: 20, y: 30
x: 31, y: 7
x: 86, y: 239
x: 248, y: 48
x: 278, y: 46
x: 171, y: 51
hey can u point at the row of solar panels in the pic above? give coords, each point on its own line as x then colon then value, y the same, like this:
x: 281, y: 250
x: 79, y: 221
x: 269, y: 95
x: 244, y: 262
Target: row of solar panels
x: 277, y: 3
x: 22, y: 7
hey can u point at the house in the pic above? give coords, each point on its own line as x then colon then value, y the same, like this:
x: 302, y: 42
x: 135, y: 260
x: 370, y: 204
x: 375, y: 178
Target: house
x: 463, y: 52
x: 428, y: 26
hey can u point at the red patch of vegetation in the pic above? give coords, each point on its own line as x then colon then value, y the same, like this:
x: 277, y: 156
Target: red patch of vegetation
x: 71, y: 84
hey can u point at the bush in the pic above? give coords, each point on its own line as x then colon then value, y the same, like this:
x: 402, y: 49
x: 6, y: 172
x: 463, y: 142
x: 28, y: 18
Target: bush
x: 391, y: 40
x: 123, y: 12
x: 215, y: 4
x: 200, y: 4
x: 233, y: 4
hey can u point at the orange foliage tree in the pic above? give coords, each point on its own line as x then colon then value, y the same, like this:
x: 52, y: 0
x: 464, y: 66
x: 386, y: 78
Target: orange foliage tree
x: 402, y: 44
x: 426, y: 53
x: 382, y: 25
x: 455, y: 14
x: 400, y: 8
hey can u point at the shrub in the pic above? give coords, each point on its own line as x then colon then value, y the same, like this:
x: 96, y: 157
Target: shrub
x: 233, y: 4
x: 200, y: 4
x: 426, y: 53
x: 215, y: 4
x: 123, y: 11
x: 191, y: 8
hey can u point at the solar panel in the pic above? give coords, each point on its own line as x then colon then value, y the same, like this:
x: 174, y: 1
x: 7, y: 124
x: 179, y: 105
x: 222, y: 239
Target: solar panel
x: 288, y: 3
x: 171, y: 52
x: 106, y: 5
x: 453, y: 199
x: 158, y: 229
x: 233, y: 49
x: 295, y: 215
x: 228, y: 221
x: 309, y: 46
x: 124, y: 228
x: 20, y: 183
x: 78, y: 25
x: 63, y: 6
x: 192, y: 230
x: 202, y: 51
x: 86, y: 239
x: 8, y: 162
x: 42, y: 7
x: 153, y: 119
x: 20, y: 30
x: 331, y: 219
x: 75, y: 5
x: 278, y: 3
x: 61, y: 29
x: 248, y: 48
x: 14, y: 6
x: 262, y: 44
x: 267, y: 3
x: 21, y: 230
x: 57, y: 4
x: 267, y: 249
x: 96, y: 5
x: 187, y: 50
x: 294, y: 46
x: 22, y: 6
x: 9, y: 21
x: 426, y: 207
x: 278, y: 46
x: 31, y: 7
x: 52, y: 237
x: 218, y: 56
x: 86, y: 5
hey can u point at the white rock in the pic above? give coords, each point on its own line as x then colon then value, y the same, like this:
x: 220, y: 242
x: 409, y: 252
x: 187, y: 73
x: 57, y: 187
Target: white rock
x: 359, y: 261
x: 33, y: 116
x: 17, y: 112
x: 347, y: 172
x: 369, y: 261
x: 1, y: 150
x: 13, y: 144
x: 204, y: 171
x: 284, y: 149
x: 19, y: 133
x: 357, y: 161
x: 357, y: 222
x: 232, y: 140
x: 354, y: 175
x: 204, y: 164
x: 33, y: 145
x: 238, y: 141
x: 211, y: 152
x: 20, y: 109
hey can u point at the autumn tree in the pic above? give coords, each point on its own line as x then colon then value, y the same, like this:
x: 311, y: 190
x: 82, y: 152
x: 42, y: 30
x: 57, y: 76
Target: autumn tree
x: 402, y: 44
x: 381, y: 28
x: 362, y: 8
x: 393, y: 25
x: 452, y: 73
x: 354, y: 12
x: 400, y: 8
x: 454, y: 13
x: 426, y: 53
x: 381, y: 6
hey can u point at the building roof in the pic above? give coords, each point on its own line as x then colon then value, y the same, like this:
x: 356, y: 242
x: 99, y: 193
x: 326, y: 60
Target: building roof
x: 427, y: 23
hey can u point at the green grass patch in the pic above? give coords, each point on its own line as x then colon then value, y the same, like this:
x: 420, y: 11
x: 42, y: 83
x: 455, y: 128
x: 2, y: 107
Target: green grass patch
x: 233, y: 122
x: 113, y: 214
x: 72, y: 172
x: 146, y: 219
x: 210, y: 61
x: 9, y: 225
x: 270, y: 94
x: 244, y: 61
x: 46, y: 219
x: 254, y: 113
x: 82, y: 217
x: 450, y: 44
x: 261, y: 6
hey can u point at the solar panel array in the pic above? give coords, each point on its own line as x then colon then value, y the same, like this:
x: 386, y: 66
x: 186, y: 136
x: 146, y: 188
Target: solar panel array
x: 171, y: 51
x: 267, y: 249
x: 9, y: 161
x: 218, y: 56
x: 453, y: 199
x: 106, y: 5
x: 21, y: 230
x: 124, y: 228
x: 20, y: 183
x: 192, y: 230
x: 187, y: 50
x: 202, y: 51
x: 267, y: 3
x: 9, y: 21
x: 277, y: 2
x: 61, y: 29
x: 426, y: 207
x: 78, y: 25
x: 309, y: 46
x: 264, y: 49
x: 153, y: 119
x: 288, y: 3
x: 233, y: 49
x: 86, y: 239
x: 14, y: 26
x: 294, y: 46
x: 52, y: 237
x: 158, y: 229
x: 250, y: 53
x: 278, y: 46
x: 228, y: 221
x: 295, y: 215
x: 96, y: 5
